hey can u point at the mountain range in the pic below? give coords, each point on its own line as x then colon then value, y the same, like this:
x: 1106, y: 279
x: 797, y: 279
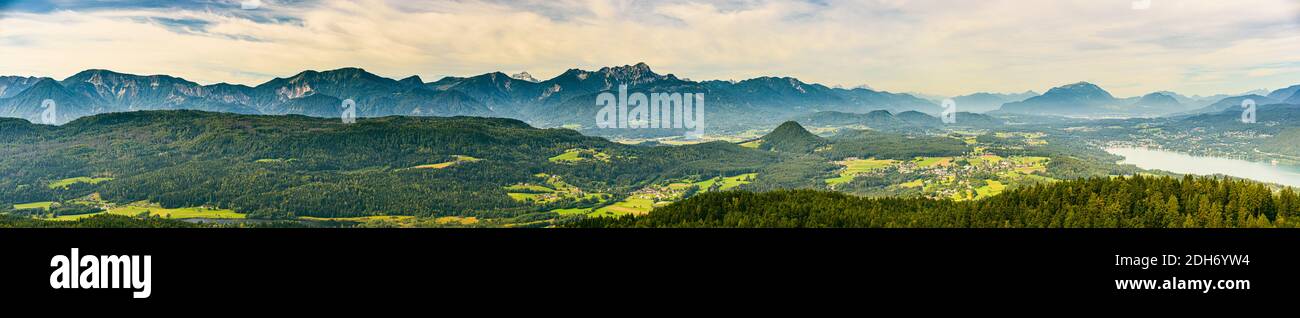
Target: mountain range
x: 984, y: 102
x: 1085, y: 99
x: 566, y: 100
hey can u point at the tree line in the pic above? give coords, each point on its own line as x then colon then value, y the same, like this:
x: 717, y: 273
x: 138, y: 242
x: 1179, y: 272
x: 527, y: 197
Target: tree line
x: 1120, y: 202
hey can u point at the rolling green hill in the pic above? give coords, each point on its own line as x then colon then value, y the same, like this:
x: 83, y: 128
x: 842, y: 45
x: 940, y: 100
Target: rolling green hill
x: 325, y: 168
x: 791, y: 137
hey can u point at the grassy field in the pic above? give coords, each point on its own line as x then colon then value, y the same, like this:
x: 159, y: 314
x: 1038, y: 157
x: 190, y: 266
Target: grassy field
x: 854, y: 167
x: 34, y: 205
x: 724, y: 183
x: 73, y: 217
x: 180, y: 213
x: 554, y: 190
x: 275, y: 160
x: 925, y: 162
x: 985, y: 160
x: 569, y: 156
x: 528, y: 188
x: 580, y: 155
x: 543, y: 198
x: 401, y: 221
x: 390, y: 218
x: 732, y: 182
x: 465, y: 220
x: 458, y: 159
x: 727, y: 183
x: 70, y: 181
x: 633, y: 206
x: 992, y: 188
x: 1035, y: 164
x: 154, y: 210
x: 565, y: 212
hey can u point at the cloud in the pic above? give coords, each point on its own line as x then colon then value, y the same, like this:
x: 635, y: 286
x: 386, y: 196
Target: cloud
x: 945, y: 47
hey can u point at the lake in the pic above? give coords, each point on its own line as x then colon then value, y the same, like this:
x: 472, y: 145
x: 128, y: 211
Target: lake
x: 1188, y: 164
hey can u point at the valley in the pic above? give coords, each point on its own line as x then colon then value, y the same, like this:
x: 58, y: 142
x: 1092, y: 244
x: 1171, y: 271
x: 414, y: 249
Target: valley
x: 384, y: 173
x: 513, y: 154
x: 569, y: 179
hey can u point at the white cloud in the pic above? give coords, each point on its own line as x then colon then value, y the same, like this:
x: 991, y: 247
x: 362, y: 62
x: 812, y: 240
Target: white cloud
x: 945, y: 47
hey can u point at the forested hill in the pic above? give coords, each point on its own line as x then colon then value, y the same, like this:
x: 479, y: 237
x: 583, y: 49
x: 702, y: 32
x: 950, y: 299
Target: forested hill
x: 1132, y: 202
x: 271, y: 166
x: 791, y: 137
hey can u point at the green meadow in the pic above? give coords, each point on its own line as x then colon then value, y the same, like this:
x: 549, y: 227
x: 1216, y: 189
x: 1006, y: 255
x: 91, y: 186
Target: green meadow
x: 71, y: 181
x: 580, y: 155
x: 456, y: 159
x: 34, y: 205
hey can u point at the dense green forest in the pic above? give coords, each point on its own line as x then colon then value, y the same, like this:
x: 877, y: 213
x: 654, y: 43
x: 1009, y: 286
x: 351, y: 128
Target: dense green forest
x: 98, y: 221
x: 1121, y: 202
x: 284, y: 166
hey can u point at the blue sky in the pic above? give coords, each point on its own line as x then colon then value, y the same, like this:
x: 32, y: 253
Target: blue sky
x: 943, y: 47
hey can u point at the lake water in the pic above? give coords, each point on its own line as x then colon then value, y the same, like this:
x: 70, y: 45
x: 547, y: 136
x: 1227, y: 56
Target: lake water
x: 1187, y: 164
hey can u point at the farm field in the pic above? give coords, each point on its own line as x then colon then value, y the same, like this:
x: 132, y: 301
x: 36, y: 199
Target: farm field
x: 458, y: 159
x: 155, y: 210
x: 34, y: 205
x: 399, y: 221
x: 551, y: 189
x: 71, y: 181
x: 727, y: 183
x: 631, y: 205
x: 926, y: 162
x: 573, y: 211
x: 991, y: 188
x: 274, y: 160
x: 180, y: 213
x: 579, y: 156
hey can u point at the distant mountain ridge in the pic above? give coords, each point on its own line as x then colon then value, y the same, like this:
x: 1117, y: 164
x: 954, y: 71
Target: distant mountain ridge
x: 1081, y: 98
x: 567, y: 99
x: 985, y: 102
x: 12, y: 85
x: 1085, y: 99
x: 1285, y: 93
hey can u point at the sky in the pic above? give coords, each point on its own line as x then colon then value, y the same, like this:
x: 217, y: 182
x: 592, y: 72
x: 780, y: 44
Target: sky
x: 940, y: 47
